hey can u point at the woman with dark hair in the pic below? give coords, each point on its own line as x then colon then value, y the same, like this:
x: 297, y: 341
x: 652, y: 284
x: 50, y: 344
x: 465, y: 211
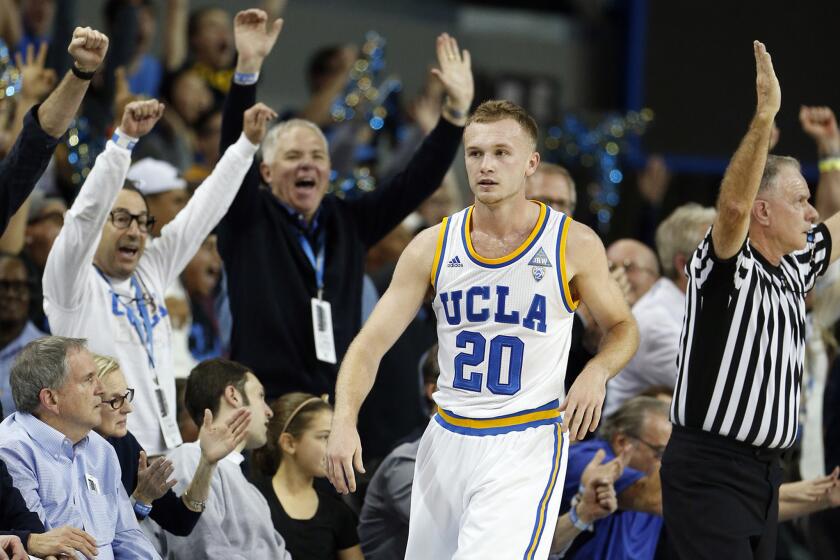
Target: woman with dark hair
x: 315, y: 524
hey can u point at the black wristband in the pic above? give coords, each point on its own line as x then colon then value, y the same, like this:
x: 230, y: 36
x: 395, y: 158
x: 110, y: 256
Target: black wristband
x: 82, y: 75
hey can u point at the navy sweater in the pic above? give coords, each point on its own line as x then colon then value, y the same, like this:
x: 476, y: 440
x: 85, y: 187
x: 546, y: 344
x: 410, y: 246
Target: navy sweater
x: 270, y: 279
x: 15, y: 518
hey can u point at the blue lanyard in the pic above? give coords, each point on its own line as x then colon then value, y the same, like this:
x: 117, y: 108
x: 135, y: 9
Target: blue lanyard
x: 143, y: 329
x: 317, y: 262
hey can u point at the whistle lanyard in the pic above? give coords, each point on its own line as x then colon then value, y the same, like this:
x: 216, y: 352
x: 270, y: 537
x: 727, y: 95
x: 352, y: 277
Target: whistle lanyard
x: 317, y: 261
x: 144, y: 324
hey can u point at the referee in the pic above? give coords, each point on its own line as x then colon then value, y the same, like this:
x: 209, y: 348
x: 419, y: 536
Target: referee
x: 736, y: 400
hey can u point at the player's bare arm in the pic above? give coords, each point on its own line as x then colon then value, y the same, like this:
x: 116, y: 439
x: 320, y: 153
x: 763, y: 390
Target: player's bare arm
x: 389, y: 319
x: 743, y: 176
x: 591, y: 283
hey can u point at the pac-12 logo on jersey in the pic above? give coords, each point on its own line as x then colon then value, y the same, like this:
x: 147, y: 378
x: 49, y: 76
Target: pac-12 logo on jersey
x: 538, y: 264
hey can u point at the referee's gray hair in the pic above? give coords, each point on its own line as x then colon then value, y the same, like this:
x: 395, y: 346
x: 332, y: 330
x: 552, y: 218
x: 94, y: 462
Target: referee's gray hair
x: 268, y: 149
x: 630, y: 417
x: 681, y: 233
x: 771, y: 170
x: 42, y: 364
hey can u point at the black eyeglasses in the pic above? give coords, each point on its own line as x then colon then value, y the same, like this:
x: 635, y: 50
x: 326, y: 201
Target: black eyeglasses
x: 18, y: 287
x: 658, y: 450
x: 117, y: 402
x: 122, y: 220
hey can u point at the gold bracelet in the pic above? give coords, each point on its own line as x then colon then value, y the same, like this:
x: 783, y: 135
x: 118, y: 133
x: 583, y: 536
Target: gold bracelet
x: 194, y: 505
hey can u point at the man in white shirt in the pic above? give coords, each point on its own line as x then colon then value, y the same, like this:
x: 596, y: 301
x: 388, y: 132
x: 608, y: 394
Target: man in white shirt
x: 659, y: 313
x: 105, y: 278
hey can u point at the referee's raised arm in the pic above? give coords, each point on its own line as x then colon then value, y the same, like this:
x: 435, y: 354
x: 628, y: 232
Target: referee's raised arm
x: 743, y: 176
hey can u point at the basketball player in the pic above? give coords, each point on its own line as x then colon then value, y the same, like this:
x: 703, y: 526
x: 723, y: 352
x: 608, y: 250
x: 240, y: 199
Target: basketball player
x: 507, y: 274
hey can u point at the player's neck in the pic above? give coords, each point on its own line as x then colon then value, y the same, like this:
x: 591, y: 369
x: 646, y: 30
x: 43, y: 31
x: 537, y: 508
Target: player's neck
x: 508, y: 216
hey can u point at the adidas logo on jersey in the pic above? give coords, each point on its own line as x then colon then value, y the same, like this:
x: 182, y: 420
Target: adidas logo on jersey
x: 454, y: 262
x: 540, y: 259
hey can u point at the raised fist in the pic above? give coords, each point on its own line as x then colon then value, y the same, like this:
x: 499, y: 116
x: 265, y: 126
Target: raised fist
x: 255, y: 122
x: 88, y: 48
x: 820, y: 124
x: 140, y: 117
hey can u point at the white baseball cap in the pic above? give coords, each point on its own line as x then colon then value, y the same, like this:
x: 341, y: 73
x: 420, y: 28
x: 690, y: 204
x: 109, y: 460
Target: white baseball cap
x: 153, y: 176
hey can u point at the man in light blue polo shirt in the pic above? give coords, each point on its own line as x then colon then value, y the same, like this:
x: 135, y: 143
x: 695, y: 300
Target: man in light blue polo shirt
x: 67, y: 473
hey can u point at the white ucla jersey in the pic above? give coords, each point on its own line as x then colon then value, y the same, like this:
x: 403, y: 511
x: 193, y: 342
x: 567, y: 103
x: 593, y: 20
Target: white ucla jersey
x: 504, y: 325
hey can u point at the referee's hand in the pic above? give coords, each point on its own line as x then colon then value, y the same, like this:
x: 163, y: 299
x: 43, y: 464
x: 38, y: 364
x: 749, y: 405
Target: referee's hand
x: 583, y: 403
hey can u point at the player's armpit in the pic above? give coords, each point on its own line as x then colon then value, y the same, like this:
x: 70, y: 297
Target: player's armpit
x: 644, y: 495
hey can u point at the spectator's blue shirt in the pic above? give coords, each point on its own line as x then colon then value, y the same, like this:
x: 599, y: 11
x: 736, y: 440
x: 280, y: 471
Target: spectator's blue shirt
x: 78, y: 485
x: 146, y: 80
x: 624, y: 535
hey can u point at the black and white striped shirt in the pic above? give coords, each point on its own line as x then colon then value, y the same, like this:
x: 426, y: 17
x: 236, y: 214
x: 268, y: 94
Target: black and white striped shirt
x: 743, y: 340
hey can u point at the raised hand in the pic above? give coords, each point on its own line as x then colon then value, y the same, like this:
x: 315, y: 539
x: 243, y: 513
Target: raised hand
x: 38, y: 81
x: 344, y: 452
x: 582, y: 406
x: 599, y: 472
x: 255, y: 122
x: 63, y: 542
x: 767, y: 88
x: 820, y: 124
x: 140, y: 117
x: 88, y: 48
x: 152, y: 478
x: 455, y: 73
x: 218, y: 441
x: 254, y: 38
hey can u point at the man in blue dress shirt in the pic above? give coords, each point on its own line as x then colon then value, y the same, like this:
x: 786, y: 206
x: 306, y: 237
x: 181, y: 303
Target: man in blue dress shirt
x: 67, y: 473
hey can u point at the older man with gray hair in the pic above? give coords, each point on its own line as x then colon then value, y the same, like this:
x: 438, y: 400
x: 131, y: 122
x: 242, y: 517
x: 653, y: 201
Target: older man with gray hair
x: 659, y: 313
x: 66, y: 472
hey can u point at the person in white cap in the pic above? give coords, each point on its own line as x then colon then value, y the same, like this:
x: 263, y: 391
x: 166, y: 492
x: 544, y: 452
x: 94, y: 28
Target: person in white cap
x: 105, y: 279
x: 164, y: 190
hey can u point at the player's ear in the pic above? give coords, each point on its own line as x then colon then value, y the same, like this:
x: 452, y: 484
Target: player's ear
x: 533, y: 163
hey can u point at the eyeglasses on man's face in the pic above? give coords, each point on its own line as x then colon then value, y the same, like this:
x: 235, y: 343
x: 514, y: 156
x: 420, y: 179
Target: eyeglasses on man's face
x: 117, y: 402
x: 657, y: 450
x: 122, y: 220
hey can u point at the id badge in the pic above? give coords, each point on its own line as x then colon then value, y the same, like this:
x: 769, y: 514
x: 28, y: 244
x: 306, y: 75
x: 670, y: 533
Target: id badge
x: 92, y: 484
x: 168, y: 423
x: 323, y: 331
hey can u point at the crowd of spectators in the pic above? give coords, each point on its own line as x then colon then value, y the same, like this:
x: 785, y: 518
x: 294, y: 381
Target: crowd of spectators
x: 172, y: 317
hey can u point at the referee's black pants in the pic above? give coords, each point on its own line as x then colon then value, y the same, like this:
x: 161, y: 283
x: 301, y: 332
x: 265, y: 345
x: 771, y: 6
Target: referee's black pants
x: 720, y: 497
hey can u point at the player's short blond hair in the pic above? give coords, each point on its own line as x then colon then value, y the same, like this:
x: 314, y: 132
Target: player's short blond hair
x: 496, y: 110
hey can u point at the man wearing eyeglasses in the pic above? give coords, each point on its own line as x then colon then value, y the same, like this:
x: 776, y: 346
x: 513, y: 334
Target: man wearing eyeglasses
x: 105, y: 277
x: 16, y: 330
x: 66, y: 473
x: 640, y: 429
